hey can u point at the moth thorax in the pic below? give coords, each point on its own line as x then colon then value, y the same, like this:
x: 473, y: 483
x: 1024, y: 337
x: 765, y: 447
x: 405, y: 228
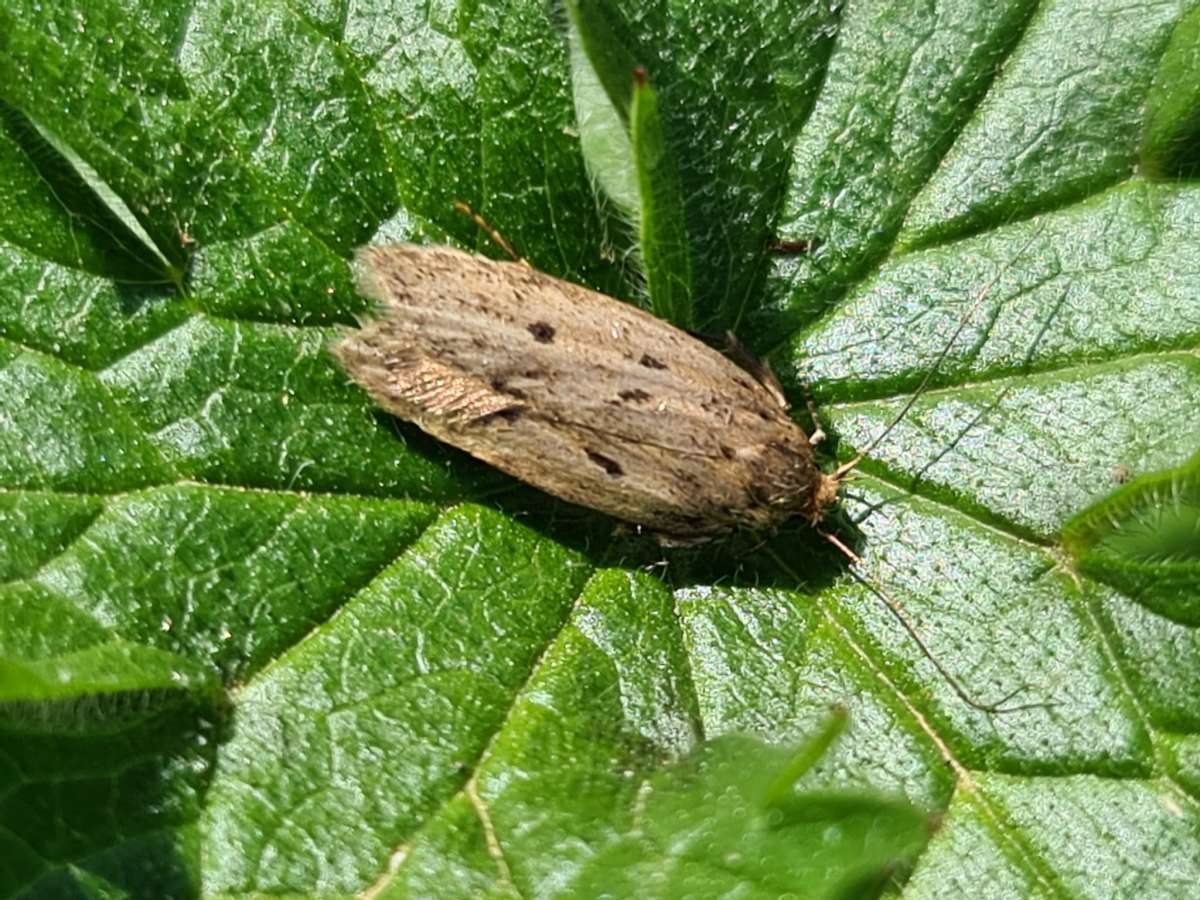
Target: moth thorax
x: 814, y: 493
x: 792, y: 485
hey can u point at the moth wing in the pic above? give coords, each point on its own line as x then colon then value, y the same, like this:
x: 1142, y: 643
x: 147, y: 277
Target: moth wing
x: 412, y: 385
x: 570, y: 353
x: 582, y: 395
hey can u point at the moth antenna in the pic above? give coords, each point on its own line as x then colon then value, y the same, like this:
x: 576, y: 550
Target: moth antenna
x: 897, y: 611
x: 486, y: 226
x: 847, y: 467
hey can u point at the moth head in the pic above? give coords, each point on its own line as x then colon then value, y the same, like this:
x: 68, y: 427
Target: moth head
x: 789, y: 483
x: 825, y: 493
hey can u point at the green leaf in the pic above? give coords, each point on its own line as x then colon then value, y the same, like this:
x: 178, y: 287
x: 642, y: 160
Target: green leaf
x: 257, y: 637
x: 804, y: 758
x: 1145, y: 540
x: 904, y: 83
x: 609, y: 47
x: 664, y: 241
x: 704, y: 831
x: 733, y: 87
x: 1172, y: 127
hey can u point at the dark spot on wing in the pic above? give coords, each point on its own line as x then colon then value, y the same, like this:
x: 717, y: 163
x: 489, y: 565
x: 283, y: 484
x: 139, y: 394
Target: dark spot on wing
x: 611, y: 466
x: 728, y: 452
x: 543, y: 332
x: 509, y: 414
x: 501, y: 386
x: 637, y: 395
x: 650, y: 362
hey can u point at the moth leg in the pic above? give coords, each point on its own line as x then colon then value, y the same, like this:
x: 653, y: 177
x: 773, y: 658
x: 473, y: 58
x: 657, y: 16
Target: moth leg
x: 745, y: 357
x: 681, y: 540
x: 490, y: 231
x: 818, y: 432
x: 665, y: 539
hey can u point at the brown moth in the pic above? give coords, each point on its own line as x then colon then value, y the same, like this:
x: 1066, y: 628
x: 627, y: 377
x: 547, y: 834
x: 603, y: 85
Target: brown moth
x: 583, y: 396
x: 597, y: 402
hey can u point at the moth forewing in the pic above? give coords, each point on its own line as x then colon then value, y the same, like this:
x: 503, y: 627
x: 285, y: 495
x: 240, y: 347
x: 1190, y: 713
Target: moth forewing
x: 578, y: 394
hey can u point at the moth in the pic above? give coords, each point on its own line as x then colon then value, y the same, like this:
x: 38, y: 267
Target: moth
x: 596, y: 402
x: 581, y: 395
